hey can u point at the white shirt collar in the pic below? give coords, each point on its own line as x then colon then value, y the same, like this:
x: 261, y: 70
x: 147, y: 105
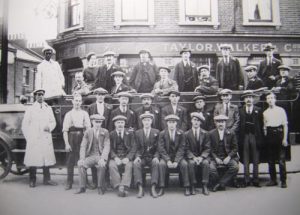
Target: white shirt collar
x: 221, y: 134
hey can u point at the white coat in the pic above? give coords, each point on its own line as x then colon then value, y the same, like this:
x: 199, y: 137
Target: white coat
x: 39, y: 146
x: 50, y: 78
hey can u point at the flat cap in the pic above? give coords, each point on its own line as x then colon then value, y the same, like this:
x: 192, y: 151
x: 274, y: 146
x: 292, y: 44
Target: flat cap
x: 97, y: 117
x: 124, y: 94
x: 47, y: 47
x: 268, y: 47
x: 100, y: 90
x: 198, y: 116
x: 164, y: 67
x: 248, y: 93
x: 200, y: 97
x: 147, y: 95
x: 172, y: 117
x: 203, y: 67
x: 144, y: 51
x: 38, y: 90
x: 119, y: 117
x: 147, y: 115
x: 109, y: 53
x: 176, y: 92
x: 225, y: 46
x: 221, y: 118
x: 250, y: 67
x: 284, y: 67
x: 225, y: 92
x: 185, y: 49
x: 118, y: 73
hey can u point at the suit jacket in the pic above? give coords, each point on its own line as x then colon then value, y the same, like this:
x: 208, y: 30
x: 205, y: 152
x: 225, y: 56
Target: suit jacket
x: 131, y: 118
x: 166, y: 87
x: 209, y: 86
x: 230, y: 141
x: 87, y: 140
x: 236, y: 75
x: 104, y: 78
x: 233, y: 113
x: 181, y: 112
x: 255, y: 84
x: 208, y: 124
x: 287, y: 88
x: 164, y: 145
x: 140, y: 142
x: 123, y: 87
x: 179, y: 76
x: 92, y: 109
x: 129, y: 142
x: 191, y: 143
x: 264, y: 72
x: 154, y: 110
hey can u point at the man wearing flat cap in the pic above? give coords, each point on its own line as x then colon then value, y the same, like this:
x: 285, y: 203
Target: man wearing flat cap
x: 185, y: 72
x: 146, y: 140
x: 268, y: 68
x: 80, y: 86
x: 37, y: 125
x: 119, y: 85
x: 91, y: 70
x: 94, y: 151
x: 122, y: 152
x: 165, y: 84
x: 171, y: 149
x: 254, y: 82
x: 104, y: 78
x: 250, y: 136
x: 147, y: 99
x: 228, y: 72
x: 198, y: 151
x: 144, y: 74
x: 49, y: 75
x: 174, y: 108
x: 224, y: 153
x: 123, y: 109
x: 205, y: 83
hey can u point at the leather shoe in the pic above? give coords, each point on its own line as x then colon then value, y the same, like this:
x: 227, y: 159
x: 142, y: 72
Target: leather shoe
x: 121, y: 192
x: 51, y: 183
x: 91, y: 186
x: 32, y: 184
x: 193, y: 191
x: 68, y: 186
x: 187, y: 191
x: 283, y: 185
x: 256, y: 184
x: 161, y: 192
x: 81, y: 190
x: 141, y: 192
x: 218, y: 187
x: 205, y: 190
x: 101, y: 191
x: 271, y: 184
x: 153, y: 191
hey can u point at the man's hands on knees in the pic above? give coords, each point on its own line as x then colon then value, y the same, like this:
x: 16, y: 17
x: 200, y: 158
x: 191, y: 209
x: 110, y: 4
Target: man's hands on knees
x: 118, y: 161
x: 137, y: 160
x: 155, y: 160
x: 102, y: 162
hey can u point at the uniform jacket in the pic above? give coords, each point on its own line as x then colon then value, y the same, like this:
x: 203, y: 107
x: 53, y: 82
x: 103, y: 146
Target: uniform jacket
x: 39, y: 146
x: 230, y: 141
x: 207, y: 86
x: 237, y: 77
x: 154, y: 110
x: 263, y: 72
x: 129, y: 142
x: 131, y: 118
x: 181, y: 112
x: 179, y: 75
x: 191, y: 143
x: 164, y: 145
x: 87, y: 142
x: 104, y: 78
x: 140, y: 142
x: 255, y: 84
x: 92, y: 109
x: 233, y: 113
x: 166, y: 87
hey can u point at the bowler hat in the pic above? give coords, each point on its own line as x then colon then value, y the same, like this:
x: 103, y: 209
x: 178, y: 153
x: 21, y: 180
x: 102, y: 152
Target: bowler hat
x: 185, y: 49
x: 268, y: 47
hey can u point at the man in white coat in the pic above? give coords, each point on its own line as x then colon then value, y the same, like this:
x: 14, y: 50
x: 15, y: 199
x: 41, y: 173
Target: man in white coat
x: 37, y: 125
x: 49, y: 75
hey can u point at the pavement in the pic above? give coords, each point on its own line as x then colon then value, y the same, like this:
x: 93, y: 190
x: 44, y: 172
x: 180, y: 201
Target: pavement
x: 17, y: 198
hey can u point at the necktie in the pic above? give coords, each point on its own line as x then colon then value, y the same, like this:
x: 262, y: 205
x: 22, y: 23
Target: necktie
x: 226, y: 110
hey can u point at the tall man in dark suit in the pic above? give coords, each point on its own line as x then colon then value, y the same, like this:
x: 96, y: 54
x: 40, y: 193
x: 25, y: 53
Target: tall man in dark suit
x: 146, y: 140
x: 171, y: 147
x: 144, y: 74
x: 224, y: 149
x: 198, y: 151
x: 268, y: 68
x: 147, y: 99
x: 104, y: 78
x: 94, y: 151
x: 228, y: 71
x: 174, y: 108
x: 185, y: 72
x: 250, y: 136
x: 122, y: 151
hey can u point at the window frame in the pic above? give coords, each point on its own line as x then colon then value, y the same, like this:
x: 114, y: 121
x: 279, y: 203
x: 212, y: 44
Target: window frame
x: 26, y: 76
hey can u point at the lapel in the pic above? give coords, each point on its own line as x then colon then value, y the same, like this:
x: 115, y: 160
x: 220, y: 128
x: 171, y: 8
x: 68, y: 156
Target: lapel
x: 192, y: 139
x: 91, y: 138
x: 176, y: 138
x: 126, y: 139
x: 167, y: 139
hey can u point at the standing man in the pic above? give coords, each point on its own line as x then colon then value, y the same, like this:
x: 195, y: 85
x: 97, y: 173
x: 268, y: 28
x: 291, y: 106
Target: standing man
x: 205, y: 83
x: 276, y: 132
x: 94, y: 152
x: 49, y: 75
x: 185, y: 72
x: 171, y: 148
x: 80, y: 86
x: 147, y: 99
x: 37, y: 125
x: 250, y: 136
x: 198, y: 151
x: 76, y: 121
x: 146, y: 143
x: 144, y: 74
x: 224, y: 149
x: 268, y: 68
x: 122, y: 151
x: 228, y: 71
x: 174, y: 108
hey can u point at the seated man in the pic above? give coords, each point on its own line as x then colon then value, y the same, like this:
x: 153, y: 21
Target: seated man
x: 147, y: 99
x: 146, y: 144
x: 224, y: 150
x: 171, y: 147
x: 174, y: 108
x: 80, y: 86
x: 254, y: 82
x: 206, y: 84
x: 122, y: 151
x: 94, y: 151
x: 165, y: 84
x: 198, y: 150
x: 120, y: 86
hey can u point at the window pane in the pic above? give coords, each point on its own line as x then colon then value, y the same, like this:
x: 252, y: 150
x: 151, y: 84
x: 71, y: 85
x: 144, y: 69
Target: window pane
x: 134, y: 10
x: 198, y: 10
x: 260, y: 10
x: 75, y: 15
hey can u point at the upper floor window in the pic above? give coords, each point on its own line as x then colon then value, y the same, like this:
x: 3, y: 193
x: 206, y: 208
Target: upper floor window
x: 26, y: 75
x: 261, y: 12
x: 198, y: 12
x: 134, y: 12
x: 74, y: 13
